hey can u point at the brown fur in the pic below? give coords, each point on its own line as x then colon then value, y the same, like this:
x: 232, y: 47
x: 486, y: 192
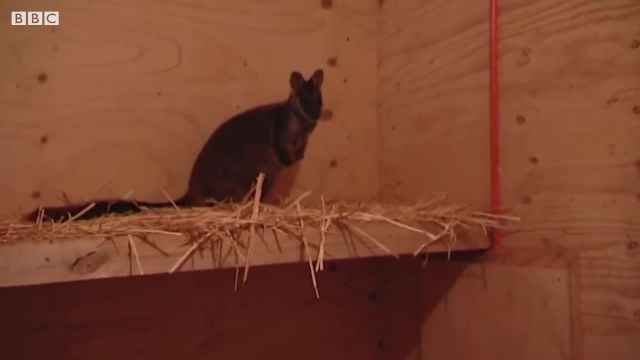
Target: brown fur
x: 235, y: 154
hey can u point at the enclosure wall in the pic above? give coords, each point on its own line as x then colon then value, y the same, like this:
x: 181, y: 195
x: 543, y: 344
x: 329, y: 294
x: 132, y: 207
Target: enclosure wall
x: 570, y: 118
x: 120, y: 98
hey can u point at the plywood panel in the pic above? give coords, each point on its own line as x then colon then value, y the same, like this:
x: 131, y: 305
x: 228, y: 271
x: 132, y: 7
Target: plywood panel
x: 122, y: 95
x: 569, y: 105
x: 498, y: 312
x: 197, y: 316
x: 433, y: 110
x: 570, y: 111
x: 611, y: 338
x: 610, y: 283
x: 570, y: 108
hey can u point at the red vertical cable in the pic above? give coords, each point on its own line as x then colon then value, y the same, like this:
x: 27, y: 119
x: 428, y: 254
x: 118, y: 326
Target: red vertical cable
x: 494, y: 123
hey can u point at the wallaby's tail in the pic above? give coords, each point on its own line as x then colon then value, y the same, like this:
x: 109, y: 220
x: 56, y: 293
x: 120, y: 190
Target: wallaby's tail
x: 92, y: 210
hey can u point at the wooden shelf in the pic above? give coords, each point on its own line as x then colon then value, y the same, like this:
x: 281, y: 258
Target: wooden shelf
x: 32, y: 262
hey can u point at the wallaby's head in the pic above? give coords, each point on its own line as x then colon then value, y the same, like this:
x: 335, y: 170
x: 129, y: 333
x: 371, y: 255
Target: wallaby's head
x: 306, y: 94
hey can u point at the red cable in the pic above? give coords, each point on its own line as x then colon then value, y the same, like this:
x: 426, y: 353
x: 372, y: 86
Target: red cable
x: 494, y: 124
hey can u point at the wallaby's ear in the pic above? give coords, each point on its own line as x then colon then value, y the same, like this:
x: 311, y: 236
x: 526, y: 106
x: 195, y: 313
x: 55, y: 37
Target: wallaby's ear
x: 296, y: 80
x: 317, y: 77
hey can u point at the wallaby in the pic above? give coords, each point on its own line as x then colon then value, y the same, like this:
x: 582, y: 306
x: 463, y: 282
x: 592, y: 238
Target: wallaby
x: 264, y: 139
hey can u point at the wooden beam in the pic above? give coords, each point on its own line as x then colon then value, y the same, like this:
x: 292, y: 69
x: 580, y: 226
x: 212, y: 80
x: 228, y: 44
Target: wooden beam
x: 33, y: 262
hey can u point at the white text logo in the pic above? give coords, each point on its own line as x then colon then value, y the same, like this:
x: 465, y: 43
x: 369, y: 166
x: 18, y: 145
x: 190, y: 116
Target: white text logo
x: 35, y: 18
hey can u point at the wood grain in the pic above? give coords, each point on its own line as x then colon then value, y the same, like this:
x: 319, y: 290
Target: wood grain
x: 497, y: 312
x: 569, y: 80
x: 570, y: 90
x: 610, y: 283
x: 571, y: 155
x: 432, y: 88
x: 570, y: 110
x: 123, y: 94
x: 131, y: 91
x: 32, y: 262
x: 611, y: 338
x: 575, y: 311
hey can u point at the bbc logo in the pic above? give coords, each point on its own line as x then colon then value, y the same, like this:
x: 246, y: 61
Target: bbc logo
x: 35, y: 18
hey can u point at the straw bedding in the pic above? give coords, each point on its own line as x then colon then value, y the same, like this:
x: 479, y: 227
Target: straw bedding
x: 434, y: 219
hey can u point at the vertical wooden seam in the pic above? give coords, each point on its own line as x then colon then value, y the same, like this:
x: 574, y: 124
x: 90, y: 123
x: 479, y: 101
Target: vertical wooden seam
x: 494, y: 119
x: 576, y: 345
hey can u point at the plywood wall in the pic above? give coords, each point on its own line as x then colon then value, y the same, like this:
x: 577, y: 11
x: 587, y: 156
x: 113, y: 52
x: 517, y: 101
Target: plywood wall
x: 517, y: 313
x: 570, y: 112
x: 198, y: 316
x: 570, y: 109
x: 122, y: 95
x: 433, y: 110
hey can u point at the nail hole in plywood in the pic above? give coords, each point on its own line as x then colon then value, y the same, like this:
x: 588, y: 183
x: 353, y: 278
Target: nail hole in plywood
x: 326, y: 114
x: 527, y: 199
x: 332, y: 61
x: 520, y: 120
x: 42, y: 78
x: 326, y: 4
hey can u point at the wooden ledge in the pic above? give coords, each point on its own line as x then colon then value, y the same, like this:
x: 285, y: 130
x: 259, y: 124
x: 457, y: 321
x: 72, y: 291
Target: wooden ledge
x: 32, y: 262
